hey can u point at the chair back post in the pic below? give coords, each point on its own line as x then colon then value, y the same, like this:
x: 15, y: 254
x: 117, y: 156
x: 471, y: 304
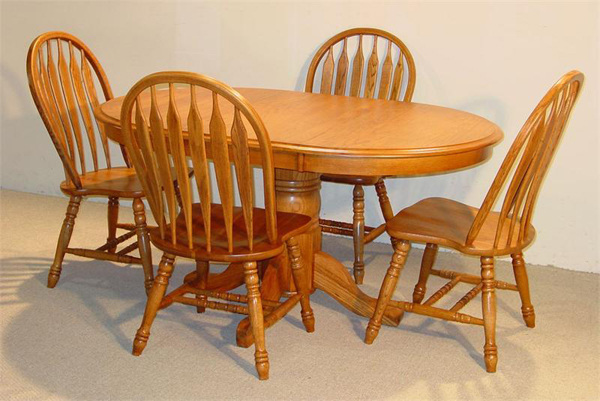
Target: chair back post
x: 155, y: 148
x: 59, y: 71
x: 392, y: 73
x: 533, y: 149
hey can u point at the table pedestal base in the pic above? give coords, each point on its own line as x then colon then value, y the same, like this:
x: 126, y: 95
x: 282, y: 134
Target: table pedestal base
x: 299, y: 193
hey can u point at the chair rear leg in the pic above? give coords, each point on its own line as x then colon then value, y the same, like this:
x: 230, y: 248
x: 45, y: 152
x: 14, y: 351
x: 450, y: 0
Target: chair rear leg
x: 139, y: 217
x: 523, y: 285
x: 202, y: 270
x: 488, y: 296
x: 384, y: 204
x: 358, y: 234
x: 113, y: 218
x: 301, y: 283
x: 63, y: 240
x: 261, y: 358
x: 387, y: 289
x: 426, y: 264
x: 157, y: 292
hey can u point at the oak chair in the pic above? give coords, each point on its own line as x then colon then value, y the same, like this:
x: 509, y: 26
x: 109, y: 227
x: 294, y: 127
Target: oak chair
x: 63, y: 77
x: 385, y: 80
x: 482, y: 232
x: 205, y: 231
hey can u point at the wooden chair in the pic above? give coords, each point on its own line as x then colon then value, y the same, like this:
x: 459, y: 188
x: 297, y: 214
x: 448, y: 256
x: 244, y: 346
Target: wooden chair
x: 204, y: 231
x: 397, y: 66
x: 481, y: 232
x: 63, y: 76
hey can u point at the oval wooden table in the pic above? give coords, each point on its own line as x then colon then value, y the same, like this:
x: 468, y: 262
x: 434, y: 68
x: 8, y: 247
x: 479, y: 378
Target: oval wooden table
x: 313, y: 134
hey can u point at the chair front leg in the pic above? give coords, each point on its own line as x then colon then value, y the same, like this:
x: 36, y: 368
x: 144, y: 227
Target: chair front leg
x: 522, y: 281
x: 384, y: 201
x: 488, y: 293
x: 387, y: 289
x: 384, y: 204
x: 139, y: 217
x: 202, y: 270
x: 113, y: 218
x: 426, y: 264
x: 159, y: 287
x: 358, y: 232
x: 255, y: 310
x: 63, y: 240
x: 301, y: 283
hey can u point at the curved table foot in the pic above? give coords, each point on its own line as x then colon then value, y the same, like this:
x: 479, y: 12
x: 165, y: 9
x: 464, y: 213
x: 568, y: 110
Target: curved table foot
x: 332, y: 277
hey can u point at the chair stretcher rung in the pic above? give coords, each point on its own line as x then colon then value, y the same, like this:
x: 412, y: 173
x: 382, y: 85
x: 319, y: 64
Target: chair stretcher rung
x: 442, y: 291
x: 230, y: 297
x: 128, y: 248
x: 95, y: 254
x: 233, y: 308
x: 436, y: 312
x: 471, y: 279
x: 341, y: 224
x: 116, y: 241
x: 281, y: 311
x: 337, y: 231
x: 376, y: 232
x: 467, y: 298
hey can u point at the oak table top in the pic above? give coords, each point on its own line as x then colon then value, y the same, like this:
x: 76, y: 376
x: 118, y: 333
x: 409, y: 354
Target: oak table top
x: 328, y: 134
x: 315, y: 133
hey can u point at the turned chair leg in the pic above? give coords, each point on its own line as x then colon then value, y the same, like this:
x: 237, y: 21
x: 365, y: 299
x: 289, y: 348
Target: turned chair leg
x: 358, y: 234
x: 255, y: 310
x: 202, y: 269
x: 523, y: 285
x: 157, y: 292
x: 139, y: 217
x: 113, y: 218
x: 387, y: 289
x: 63, y: 240
x: 426, y: 264
x: 488, y: 295
x: 384, y: 204
x: 301, y: 283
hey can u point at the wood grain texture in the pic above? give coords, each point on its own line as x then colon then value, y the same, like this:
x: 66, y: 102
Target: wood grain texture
x: 205, y: 231
x: 62, y: 73
x: 372, y: 67
x: 359, y: 82
x: 381, y: 138
x: 483, y: 232
x: 357, y: 70
x: 341, y: 76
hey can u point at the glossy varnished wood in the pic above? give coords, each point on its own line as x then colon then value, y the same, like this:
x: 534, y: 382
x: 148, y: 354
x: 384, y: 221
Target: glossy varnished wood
x: 403, y: 68
x: 481, y: 231
x: 365, y: 137
x: 62, y: 73
x: 205, y: 231
x: 319, y: 141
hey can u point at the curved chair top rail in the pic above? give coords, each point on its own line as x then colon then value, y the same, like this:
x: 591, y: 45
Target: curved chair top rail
x: 153, y: 158
x: 391, y: 76
x: 65, y: 95
x: 533, y: 148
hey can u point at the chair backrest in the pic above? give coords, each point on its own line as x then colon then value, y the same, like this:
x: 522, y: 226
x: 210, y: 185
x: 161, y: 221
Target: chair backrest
x: 155, y: 148
x: 65, y: 95
x: 397, y: 64
x: 533, y: 149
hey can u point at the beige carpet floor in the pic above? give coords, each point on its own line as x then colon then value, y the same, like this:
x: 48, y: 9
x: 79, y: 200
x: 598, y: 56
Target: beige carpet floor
x: 74, y: 342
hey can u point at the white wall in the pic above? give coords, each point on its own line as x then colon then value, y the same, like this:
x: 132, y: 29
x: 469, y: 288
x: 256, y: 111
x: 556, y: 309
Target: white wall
x: 492, y: 59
